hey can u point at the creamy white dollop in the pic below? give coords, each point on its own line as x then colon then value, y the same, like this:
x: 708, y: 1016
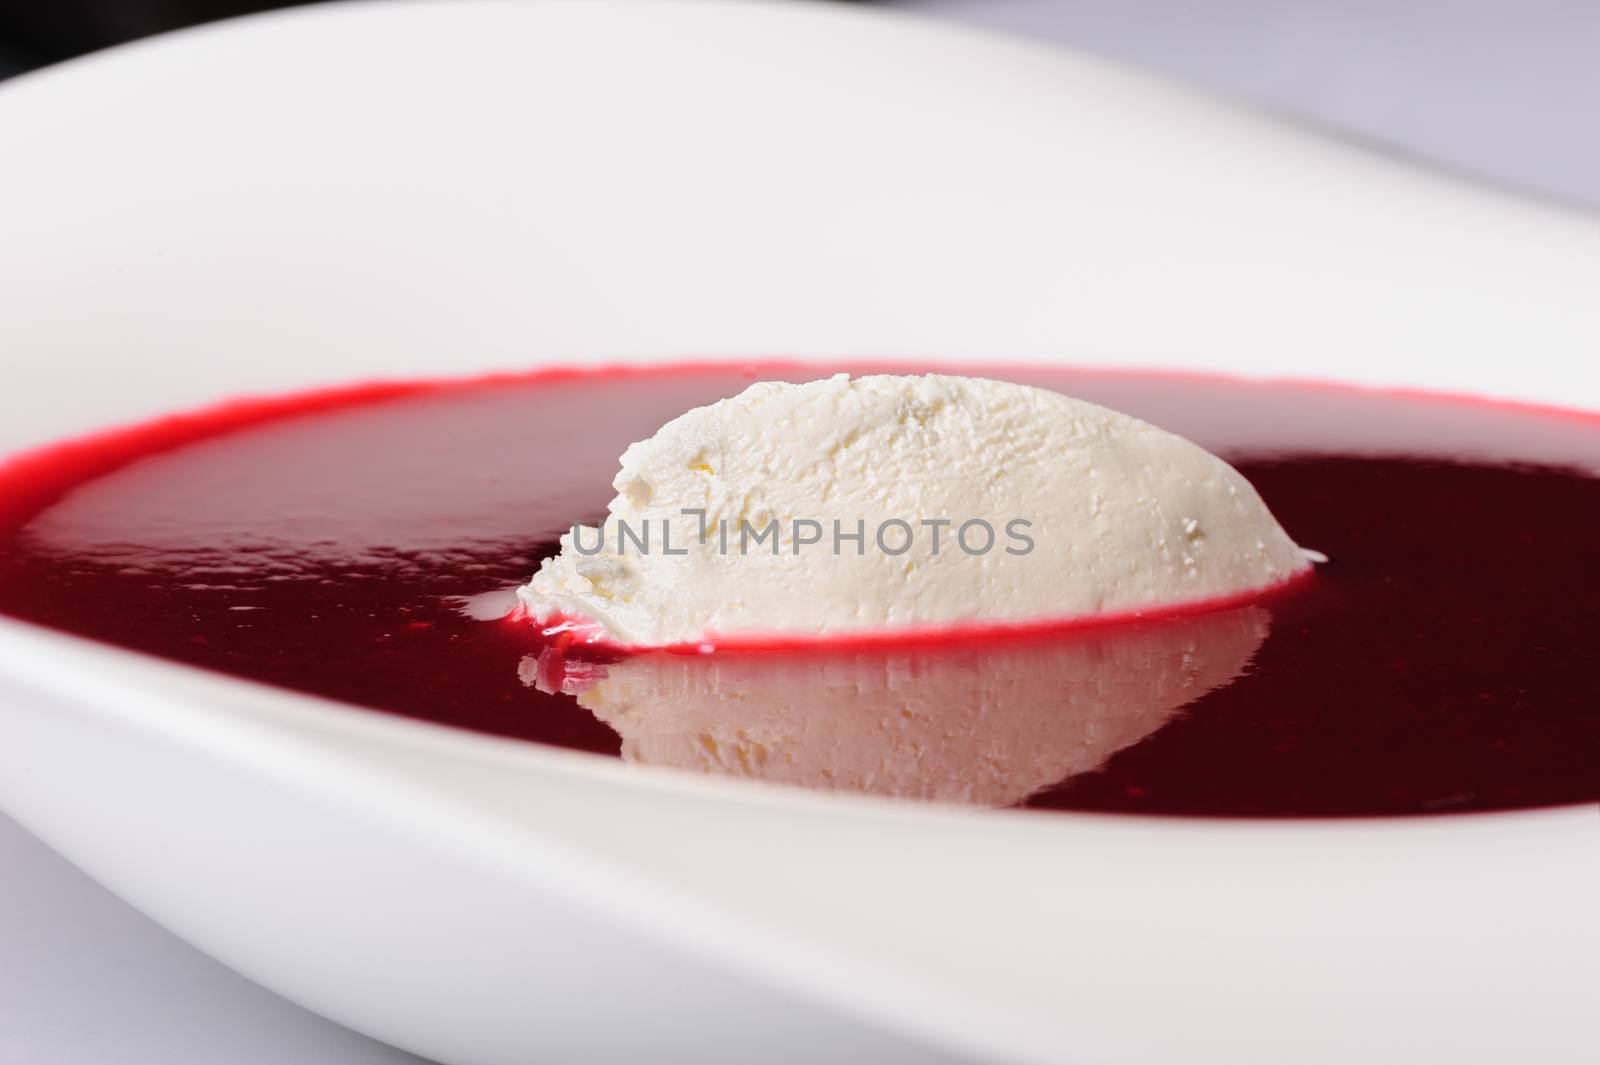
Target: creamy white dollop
x: 885, y: 503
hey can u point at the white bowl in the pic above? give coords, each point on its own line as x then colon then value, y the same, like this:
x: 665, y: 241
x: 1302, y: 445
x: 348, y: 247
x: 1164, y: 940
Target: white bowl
x: 390, y: 190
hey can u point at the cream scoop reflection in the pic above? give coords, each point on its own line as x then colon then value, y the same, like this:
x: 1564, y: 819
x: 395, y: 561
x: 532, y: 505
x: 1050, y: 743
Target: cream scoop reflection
x: 988, y: 723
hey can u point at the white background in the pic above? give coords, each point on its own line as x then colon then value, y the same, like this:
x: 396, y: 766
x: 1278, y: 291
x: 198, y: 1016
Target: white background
x: 1507, y: 90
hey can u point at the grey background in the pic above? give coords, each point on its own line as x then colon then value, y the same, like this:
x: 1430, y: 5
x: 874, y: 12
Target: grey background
x: 1508, y: 90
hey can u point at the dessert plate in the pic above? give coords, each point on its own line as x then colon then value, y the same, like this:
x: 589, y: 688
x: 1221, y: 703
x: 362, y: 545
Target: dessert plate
x: 395, y: 190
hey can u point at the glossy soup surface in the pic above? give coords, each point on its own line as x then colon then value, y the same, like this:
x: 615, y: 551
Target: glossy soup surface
x: 1442, y: 660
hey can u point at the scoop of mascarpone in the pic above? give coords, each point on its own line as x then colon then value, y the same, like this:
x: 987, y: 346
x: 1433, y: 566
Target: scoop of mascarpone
x: 895, y: 503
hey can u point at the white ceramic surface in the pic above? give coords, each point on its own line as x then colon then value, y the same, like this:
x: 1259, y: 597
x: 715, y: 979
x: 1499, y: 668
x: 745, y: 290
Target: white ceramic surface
x: 388, y: 190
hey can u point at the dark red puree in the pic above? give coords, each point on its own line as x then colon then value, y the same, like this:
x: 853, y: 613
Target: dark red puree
x: 1442, y: 661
